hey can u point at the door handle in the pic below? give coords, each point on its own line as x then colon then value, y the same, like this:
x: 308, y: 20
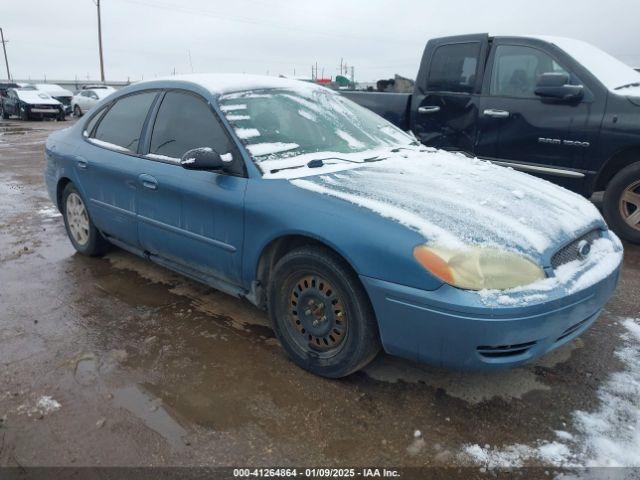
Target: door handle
x: 429, y: 109
x: 82, y: 163
x: 148, y: 181
x: 496, y: 113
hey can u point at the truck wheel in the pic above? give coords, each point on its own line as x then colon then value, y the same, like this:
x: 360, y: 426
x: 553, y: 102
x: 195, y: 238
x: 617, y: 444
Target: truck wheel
x: 84, y: 236
x: 621, y: 204
x: 321, y: 313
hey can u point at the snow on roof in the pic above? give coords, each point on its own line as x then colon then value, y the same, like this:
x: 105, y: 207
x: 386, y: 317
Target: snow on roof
x: 52, y: 89
x: 613, y: 73
x: 223, y: 83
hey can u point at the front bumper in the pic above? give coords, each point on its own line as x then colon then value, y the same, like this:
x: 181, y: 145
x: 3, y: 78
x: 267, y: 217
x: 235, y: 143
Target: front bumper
x: 451, y: 328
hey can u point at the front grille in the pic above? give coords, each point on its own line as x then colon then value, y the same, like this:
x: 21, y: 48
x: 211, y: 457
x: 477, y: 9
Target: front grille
x: 502, y: 351
x: 570, y: 252
x: 64, y: 100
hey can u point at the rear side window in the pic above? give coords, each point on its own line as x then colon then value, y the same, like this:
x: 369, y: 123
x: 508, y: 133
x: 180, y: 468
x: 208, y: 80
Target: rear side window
x: 122, y: 124
x: 453, y: 68
x: 184, y: 122
x: 92, y: 122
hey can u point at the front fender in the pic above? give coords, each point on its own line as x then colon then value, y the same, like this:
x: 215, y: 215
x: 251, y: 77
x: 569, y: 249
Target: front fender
x: 374, y: 246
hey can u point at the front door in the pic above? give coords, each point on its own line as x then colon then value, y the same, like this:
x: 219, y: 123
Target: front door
x: 191, y: 218
x: 542, y: 137
x: 444, y: 104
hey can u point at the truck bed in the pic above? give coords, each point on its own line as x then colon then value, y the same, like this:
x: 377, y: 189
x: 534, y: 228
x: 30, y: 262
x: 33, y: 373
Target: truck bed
x: 394, y: 107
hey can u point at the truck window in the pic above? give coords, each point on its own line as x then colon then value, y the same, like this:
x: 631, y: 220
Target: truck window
x: 453, y: 68
x: 516, y: 70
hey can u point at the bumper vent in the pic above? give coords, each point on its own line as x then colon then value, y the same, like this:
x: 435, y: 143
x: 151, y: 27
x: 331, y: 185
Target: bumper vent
x: 571, y: 252
x: 572, y: 329
x: 503, y: 351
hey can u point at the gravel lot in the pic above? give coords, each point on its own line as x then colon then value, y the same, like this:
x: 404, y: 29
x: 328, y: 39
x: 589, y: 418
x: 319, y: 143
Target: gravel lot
x: 115, y: 361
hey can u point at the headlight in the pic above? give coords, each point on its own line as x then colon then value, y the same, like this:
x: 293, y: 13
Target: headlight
x: 478, y: 268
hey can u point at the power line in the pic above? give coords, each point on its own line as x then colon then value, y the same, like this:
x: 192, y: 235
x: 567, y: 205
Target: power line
x: 4, y: 48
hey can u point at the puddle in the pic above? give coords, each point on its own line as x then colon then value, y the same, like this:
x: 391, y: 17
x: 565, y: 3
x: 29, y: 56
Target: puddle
x: 151, y: 413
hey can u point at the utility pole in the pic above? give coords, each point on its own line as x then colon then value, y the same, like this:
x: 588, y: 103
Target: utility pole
x: 4, y: 48
x: 97, y: 2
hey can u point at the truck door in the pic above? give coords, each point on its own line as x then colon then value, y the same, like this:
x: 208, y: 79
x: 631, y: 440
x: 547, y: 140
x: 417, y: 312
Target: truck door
x: 444, y: 105
x: 545, y: 138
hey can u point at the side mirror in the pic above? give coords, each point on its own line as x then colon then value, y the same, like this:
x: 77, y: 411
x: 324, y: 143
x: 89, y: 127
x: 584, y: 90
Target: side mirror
x: 556, y: 86
x: 203, y: 158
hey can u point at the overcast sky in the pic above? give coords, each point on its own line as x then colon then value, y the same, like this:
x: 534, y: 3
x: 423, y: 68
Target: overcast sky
x: 148, y: 38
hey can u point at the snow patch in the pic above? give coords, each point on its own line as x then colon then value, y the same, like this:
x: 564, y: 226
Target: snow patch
x: 352, y: 142
x: 47, y: 404
x: 607, y: 437
x: 244, y: 133
x: 259, y: 149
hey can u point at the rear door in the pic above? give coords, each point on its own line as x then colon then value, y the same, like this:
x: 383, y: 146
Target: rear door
x: 546, y: 138
x: 444, y: 105
x: 108, y: 163
x: 191, y: 218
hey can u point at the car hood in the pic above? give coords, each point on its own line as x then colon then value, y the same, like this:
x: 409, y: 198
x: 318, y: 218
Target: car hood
x: 453, y: 200
x: 35, y: 97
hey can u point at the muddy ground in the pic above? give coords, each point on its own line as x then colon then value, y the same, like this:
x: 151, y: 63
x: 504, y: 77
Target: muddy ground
x: 115, y: 361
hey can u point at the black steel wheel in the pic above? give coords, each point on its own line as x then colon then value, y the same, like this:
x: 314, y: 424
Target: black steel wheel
x: 321, y: 313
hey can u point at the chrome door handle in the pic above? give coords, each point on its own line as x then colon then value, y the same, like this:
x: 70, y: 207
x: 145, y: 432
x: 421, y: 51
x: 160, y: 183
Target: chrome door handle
x: 429, y: 109
x: 82, y: 163
x: 148, y: 181
x: 496, y: 113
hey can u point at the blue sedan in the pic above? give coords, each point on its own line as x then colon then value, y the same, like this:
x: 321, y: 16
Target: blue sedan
x: 352, y: 235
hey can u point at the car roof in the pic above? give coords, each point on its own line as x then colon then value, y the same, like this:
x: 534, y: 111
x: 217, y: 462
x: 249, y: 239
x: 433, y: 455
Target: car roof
x: 223, y: 83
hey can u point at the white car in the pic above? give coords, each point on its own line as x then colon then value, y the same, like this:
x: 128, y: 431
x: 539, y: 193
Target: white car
x: 56, y: 91
x: 85, y: 100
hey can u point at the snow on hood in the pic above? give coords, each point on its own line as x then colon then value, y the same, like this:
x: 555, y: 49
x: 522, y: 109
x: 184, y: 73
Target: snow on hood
x: 53, y: 90
x: 36, y: 97
x: 454, y: 200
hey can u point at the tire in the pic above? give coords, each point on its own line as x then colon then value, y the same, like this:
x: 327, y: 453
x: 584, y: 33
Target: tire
x: 331, y: 342
x: 91, y: 242
x: 621, y: 203
x: 76, y: 111
x: 61, y: 117
x: 24, y: 115
x: 5, y: 114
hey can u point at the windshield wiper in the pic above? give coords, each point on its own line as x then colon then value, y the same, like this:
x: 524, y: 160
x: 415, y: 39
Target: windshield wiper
x: 320, y: 162
x: 628, y: 85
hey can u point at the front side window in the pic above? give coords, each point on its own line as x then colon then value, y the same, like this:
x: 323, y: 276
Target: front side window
x: 516, y: 70
x: 453, y: 68
x: 185, y: 122
x: 122, y: 124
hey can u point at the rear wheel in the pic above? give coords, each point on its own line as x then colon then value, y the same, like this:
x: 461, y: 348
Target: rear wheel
x: 84, y: 236
x: 321, y: 313
x: 621, y: 204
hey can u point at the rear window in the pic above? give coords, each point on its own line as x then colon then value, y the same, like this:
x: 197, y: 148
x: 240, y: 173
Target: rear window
x: 122, y: 124
x: 453, y: 68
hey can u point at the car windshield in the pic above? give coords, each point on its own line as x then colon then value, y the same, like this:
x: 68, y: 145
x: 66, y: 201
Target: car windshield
x: 285, y: 129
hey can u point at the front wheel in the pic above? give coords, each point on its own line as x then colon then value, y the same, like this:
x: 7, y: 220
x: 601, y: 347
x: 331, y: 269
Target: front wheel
x: 84, y: 236
x: 24, y: 115
x: 321, y: 313
x: 621, y: 206
x: 77, y: 112
x: 5, y: 114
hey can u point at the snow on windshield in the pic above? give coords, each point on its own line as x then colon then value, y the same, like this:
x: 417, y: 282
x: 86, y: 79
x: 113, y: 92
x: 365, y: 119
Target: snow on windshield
x: 285, y: 129
x: 613, y: 73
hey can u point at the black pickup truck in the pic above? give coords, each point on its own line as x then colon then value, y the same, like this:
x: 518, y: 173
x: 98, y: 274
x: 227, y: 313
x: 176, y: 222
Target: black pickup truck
x: 553, y: 107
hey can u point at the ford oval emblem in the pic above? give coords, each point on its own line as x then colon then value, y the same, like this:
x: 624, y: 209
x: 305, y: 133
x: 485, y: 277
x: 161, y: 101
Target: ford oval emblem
x: 584, y: 248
